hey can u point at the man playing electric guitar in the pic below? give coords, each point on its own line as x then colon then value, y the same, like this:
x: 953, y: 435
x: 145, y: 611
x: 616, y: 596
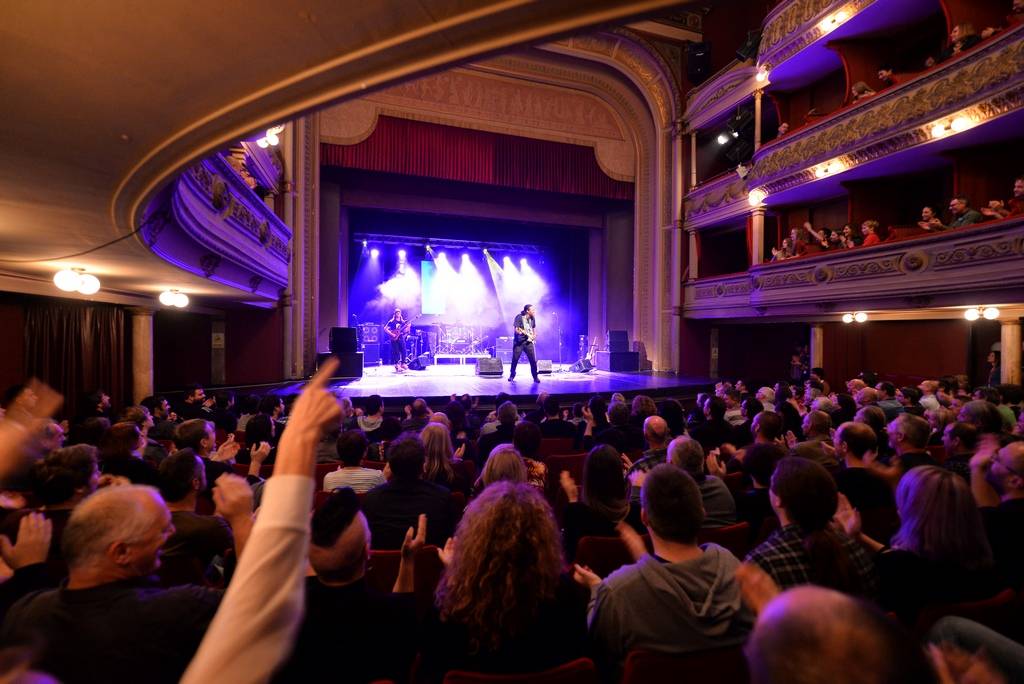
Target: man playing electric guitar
x: 525, y: 326
x: 397, y: 328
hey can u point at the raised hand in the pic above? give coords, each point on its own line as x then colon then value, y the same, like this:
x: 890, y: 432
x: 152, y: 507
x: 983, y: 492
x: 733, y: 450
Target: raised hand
x: 572, y: 492
x: 315, y: 410
x: 34, y: 534
x: 227, y: 451
x: 260, y: 453
x: 447, y: 554
x: 233, y: 497
x: 714, y: 466
x: 633, y: 541
x: 756, y: 586
x: 585, y: 576
x: 412, y: 543
x: 847, y: 517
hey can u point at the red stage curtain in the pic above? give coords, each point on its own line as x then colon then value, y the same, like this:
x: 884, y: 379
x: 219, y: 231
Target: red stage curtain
x: 416, y: 148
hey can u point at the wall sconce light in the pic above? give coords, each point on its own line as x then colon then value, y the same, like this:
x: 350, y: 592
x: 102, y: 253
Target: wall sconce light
x: 174, y: 298
x: 76, y: 280
x: 756, y: 196
x: 858, y: 316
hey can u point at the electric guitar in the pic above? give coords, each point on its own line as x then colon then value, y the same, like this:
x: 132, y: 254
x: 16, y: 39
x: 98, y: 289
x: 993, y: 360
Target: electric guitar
x: 404, y: 330
x: 530, y: 333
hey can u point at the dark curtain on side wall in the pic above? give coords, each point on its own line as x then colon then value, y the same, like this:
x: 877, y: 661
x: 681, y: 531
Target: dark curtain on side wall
x: 77, y: 348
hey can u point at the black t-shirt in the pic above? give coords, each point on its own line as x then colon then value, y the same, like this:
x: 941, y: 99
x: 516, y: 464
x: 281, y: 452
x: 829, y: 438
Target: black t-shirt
x: 135, y: 469
x: 1004, y: 524
x: 199, y: 536
x: 352, y: 634
x: 556, y: 427
x: 864, y: 489
x: 130, y: 631
x: 392, y: 508
x: 523, y: 322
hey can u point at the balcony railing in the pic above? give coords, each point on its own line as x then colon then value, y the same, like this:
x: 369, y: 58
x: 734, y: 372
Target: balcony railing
x: 210, y: 223
x: 719, y: 199
x: 949, y: 269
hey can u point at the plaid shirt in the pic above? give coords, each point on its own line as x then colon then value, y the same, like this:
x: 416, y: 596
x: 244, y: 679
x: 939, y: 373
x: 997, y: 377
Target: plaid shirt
x: 782, y: 555
x: 651, y: 458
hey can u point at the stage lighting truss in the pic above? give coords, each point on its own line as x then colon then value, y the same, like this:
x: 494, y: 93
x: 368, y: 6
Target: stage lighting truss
x: 435, y: 245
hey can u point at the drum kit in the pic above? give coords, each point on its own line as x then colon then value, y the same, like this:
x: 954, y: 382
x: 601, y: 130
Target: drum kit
x: 459, y: 339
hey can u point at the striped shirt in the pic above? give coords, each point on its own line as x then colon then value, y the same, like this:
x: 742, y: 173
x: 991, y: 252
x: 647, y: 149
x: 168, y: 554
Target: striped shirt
x: 359, y: 479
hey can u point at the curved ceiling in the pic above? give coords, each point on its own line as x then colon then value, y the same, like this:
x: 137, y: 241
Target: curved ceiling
x: 103, y: 105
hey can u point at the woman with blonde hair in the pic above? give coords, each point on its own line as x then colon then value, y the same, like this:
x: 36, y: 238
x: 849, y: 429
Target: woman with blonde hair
x: 504, y: 464
x: 440, y: 464
x: 503, y: 604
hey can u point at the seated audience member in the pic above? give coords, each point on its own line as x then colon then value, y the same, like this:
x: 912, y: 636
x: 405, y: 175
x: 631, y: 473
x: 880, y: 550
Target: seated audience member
x: 806, y: 549
x: 962, y: 214
x: 642, y: 408
x: 719, y: 506
x: 937, y: 422
x: 962, y: 37
x: 99, y: 626
x: 196, y: 404
x: 250, y: 406
x: 928, y: 398
x: 225, y: 416
x: 997, y: 483
x: 195, y: 536
x: 418, y: 416
x: 850, y: 237
x: 733, y: 411
x: 983, y: 415
x: 867, y: 397
x: 164, y: 419
x: 874, y: 418
x: 959, y: 441
x: 351, y: 450
x: 89, y: 431
x: 683, y: 598
x: 930, y: 220
x: 526, y: 440
x: 672, y: 412
x: 326, y: 448
x: 864, y: 488
x: 998, y: 209
x: 766, y: 395
x: 910, y: 399
x: 860, y: 91
x: 552, y: 426
x: 766, y: 428
x: 490, y: 424
x: 908, y: 437
x: 504, y: 464
x: 537, y: 414
x: 870, y: 231
x: 789, y: 409
x: 743, y: 433
x: 810, y: 635
x: 372, y: 418
x: 394, y: 507
x: 273, y: 406
x: 390, y: 429
x: 754, y: 505
x: 657, y: 436
x: 502, y: 605
x: 621, y: 433
x: 817, y: 426
x: 889, y: 77
x: 377, y: 638
x: 887, y: 400
x: 603, y: 502
x: 121, y: 454
x: 716, y: 430
x: 508, y: 416
x: 940, y: 553
x: 444, y: 465
x: 258, y: 430
x: 1016, y: 16
x: 199, y: 436
x: 154, y: 452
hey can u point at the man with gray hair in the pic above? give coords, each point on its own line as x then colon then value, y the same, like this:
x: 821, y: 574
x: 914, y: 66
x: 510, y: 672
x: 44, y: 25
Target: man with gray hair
x: 657, y: 435
x: 719, y: 506
x: 110, y: 622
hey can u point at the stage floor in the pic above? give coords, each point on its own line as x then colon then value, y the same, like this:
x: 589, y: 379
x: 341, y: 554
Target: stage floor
x: 437, y: 383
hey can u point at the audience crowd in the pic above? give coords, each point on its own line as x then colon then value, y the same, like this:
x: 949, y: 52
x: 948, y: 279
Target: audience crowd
x: 820, y: 528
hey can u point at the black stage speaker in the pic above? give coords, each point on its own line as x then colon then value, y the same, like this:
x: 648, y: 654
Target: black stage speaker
x: 343, y: 340
x: 543, y: 366
x: 371, y: 353
x: 350, y: 365
x: 489, y: 367
x: 698, y: 62
x: 749, y: 48
x: 421, y: 362
x: 582, y: 366
x: 620, y: 362
x: 617, y: 341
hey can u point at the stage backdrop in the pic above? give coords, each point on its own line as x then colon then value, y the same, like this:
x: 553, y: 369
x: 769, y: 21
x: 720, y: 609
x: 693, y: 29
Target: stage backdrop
x: 456, y: 284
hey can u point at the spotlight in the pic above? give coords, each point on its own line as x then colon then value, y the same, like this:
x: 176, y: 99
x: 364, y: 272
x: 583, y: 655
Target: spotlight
x: 860, y: 317
x: 174, y: 298
x: 273, y: 139
x: 762, y: 74
x: 262, y: 142
x: 735, y: 134
x: 442, y: 255
x: 847, y: 318
x: 465, y: 256
x: 374, y: 252
x: 485, y: 251
x: 67, y: 280
x: 756, y: 197
x: 722, y: 138
x: 990, y: 313
x: 401, y: 254
x: 972, y: 314
x: 522, y: 262
x: 364, y: 243
x: 507, y: 259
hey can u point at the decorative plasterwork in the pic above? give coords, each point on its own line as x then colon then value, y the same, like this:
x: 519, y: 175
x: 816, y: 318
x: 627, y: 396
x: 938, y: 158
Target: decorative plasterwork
x: 723, y: 93
x: 724, y: 197
x: 897, y: 118
x: 795, y: 25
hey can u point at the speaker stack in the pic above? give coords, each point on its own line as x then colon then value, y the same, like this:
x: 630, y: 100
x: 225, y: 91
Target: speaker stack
x: 343, y: 344
x: 617, y: 358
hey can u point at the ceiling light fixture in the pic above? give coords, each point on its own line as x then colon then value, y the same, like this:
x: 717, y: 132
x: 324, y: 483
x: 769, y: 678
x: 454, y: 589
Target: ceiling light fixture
x: 972, y: 314
x: 174, y: 298
x: 847, y: 318
x: 832, y: 22
x: 829, y: 168
x: 271, y: 137
x: 76, y: 280
x: 860, y: 317
x: 990, y: 313
x: 756, y: 196
x: 762, y: 74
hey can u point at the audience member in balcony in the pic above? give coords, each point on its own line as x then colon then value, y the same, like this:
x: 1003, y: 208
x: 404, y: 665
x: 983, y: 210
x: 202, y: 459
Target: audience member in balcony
x: 719, y: 506
x: 596, y: 509
x: 806, y: 549
x: 962, y: 214
x: 351, y: 450
x: 784, y: 252
x: 889, y: 77
x: 962, y: 37
x: 1016, y: 16
x: 930, y: 220
x: 799, y: 239
x: 682, y: 598
x: 860, y: 91
x: 378, y: 638
x: 940, y: 554
x: 1012, y: 207
x: 997, y: 483
x: 502, y: 604
x: 121, y: 454
x: 870, y: 231
x: 783, y: 129
x: 743, y: 434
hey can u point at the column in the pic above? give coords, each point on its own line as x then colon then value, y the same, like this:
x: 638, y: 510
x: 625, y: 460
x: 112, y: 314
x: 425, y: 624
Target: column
x: 692, y: 262
x: 331, y: 248
x: 757, y: 120
x: 1009, y: 343
x: 817, y: 345
x: 757, y: 236
x: 693, y: 159
x: 142, y: 353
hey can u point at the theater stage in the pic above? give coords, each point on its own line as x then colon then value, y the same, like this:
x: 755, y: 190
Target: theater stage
x: 436, y: 384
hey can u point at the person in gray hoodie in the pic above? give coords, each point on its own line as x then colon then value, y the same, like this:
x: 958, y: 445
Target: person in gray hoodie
x: 683, y: 598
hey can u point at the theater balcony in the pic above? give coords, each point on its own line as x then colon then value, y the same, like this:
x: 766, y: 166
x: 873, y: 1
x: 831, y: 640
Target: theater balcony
x: 214, y: 221
x: 984, y: 262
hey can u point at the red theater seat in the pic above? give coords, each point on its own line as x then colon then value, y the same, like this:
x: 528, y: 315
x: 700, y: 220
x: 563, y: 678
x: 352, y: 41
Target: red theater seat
x: 382, y: 572
x: 605, y: 555
x: 552, y: 446
x: 720, y: 665
x: 997, y: 613
x: 732, y: 537
x: 581, y: 671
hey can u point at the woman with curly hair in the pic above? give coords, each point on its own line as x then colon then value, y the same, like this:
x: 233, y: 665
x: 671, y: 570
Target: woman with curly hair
x: 502, y: 604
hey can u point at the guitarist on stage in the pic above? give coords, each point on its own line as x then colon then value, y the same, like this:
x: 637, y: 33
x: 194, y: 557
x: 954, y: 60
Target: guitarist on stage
x: 397, y: 328
x: 525, y: 325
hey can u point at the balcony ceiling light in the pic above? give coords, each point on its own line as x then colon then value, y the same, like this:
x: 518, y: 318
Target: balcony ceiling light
x: 847, y: 318
x: 76, y: 280
x: 972, y: 314
x: 990, y: 313
x: 756, y: 196
x: 860, y: 317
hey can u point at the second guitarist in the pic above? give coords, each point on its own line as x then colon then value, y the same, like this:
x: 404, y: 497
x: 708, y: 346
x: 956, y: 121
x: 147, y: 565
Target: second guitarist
x: 397, y: 328
x: 525, y: 326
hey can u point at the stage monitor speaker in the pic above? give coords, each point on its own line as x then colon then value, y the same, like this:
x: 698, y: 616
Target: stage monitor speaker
x: 489, y: 367
x: 350, y: 365
x: 371, y: 353
x: 748, y: 50
x: 698, y: 62
x: 343, y: 340
x: 617, y: 341
x: 619, y: 362
x: 582, y: 366
x: 544, y: 367
x: 421, y: 362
